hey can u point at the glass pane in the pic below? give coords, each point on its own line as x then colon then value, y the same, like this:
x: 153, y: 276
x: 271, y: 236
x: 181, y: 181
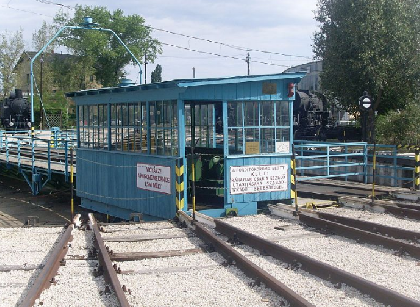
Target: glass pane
x: 252, y: 135
x: 124, y: 114
x: 283, y: 140
x: 131, y: 114
x: 282, y: 113
x: 252, y: 141
x: 267, y: 140
x: 251, y: 111
x: 235, y: 139
x: 267, y: 113
x: 188, y: 125
x: 152, y: 115
x: 235, y: 114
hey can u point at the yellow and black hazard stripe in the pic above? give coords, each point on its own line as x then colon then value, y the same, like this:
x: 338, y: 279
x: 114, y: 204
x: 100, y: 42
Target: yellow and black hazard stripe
x: 417, y: 170
x: 179, y: 170
x: 293, y: 188
x: 293, y: 178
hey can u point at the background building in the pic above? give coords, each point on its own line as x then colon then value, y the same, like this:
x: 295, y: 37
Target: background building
x: 311, y: 81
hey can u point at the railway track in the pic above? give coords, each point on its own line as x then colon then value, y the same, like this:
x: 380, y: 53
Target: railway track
x: 389, y: 276
x: 164, y: 265
x: 24, y: 254
x: 329, y: 257
x: 81, y: 276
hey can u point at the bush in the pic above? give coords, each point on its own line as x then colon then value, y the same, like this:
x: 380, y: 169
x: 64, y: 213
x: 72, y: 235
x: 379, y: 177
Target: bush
x: 399, y: 127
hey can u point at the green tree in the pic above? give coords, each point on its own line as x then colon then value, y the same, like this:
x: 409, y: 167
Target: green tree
x: 11, y: 47
x: 157, y: 74
x: 102, y: 49
x: 400, y: 126
x: 41, y: 37
x: 369, y: 45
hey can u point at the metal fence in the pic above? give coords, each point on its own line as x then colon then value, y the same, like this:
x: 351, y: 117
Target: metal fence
x: 38, y: 157
x: 357, y: 161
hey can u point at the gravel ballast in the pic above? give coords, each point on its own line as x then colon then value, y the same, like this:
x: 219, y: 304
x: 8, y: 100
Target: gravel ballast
x: 25, y: 247
x: 375, y: 217
x: 381, y: 266
x: 76, y: 284
x: 202, y: 279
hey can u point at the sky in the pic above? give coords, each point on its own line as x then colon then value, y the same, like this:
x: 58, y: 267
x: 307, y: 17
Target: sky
x: 283, y: 29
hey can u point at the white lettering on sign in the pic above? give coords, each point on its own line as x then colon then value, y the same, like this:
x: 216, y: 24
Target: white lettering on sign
x: 258, y: 178
x: 155, y: 178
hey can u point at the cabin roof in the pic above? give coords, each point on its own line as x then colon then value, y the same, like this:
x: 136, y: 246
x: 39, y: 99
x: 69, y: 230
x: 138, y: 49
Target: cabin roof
x: 186, y: 83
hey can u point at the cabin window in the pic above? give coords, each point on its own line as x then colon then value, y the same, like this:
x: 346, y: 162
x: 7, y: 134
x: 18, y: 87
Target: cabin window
x: 203, y: 129
x: 258, y: 127
x: 92, y: 124
x: 146, y: 127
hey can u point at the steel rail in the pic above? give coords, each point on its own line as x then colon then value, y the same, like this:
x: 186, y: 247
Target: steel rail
x: 104, y: 261
x: 408, y: 206
x: 404, y: 212
x: 383, y: 205
x: 43, y: 281
x: 360, y: 235
x: 315, y: 267
x: 384, y: 230
x: 249, y: 268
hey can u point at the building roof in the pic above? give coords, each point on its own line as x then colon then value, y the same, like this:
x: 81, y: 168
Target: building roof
x: 186, y: 83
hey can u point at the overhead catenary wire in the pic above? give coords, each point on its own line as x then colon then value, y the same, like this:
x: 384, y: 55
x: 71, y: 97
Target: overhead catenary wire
x: 221, y: 55
x: 55, y: 3
x: 229, y: 45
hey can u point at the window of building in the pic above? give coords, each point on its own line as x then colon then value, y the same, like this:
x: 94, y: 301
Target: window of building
x: 203, y: 115
x: 258, y: 127
x: 146, y: 127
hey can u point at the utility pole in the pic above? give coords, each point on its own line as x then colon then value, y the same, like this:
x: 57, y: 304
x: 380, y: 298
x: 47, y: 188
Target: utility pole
x: 145, y: 63
x: 247, y: 60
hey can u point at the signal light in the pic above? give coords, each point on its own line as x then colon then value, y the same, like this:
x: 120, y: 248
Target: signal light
x: 290, y: 91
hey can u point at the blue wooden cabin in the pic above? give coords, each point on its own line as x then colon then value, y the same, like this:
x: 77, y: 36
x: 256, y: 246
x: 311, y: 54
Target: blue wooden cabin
x: 137, y: 145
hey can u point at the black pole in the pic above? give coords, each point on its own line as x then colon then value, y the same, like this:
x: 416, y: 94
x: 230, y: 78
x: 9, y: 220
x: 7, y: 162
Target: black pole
x: 40, y: 96
x: 247, y: 60
x: 373, y: 138
x: 145, y: 64
x: 417, y: 169
x: 364, y: 127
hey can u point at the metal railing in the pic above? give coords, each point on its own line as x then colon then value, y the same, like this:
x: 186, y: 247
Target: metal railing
x: 391, y: 166
x: 38, y: 157
x: 354, y: 161
x: 317, y: 160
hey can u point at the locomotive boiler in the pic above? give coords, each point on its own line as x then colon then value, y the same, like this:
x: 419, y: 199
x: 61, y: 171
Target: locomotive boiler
x: 15, y: 112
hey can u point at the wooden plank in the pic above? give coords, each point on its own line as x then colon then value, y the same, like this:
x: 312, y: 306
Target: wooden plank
x: 29, y: 267
x: 140, y: 238
x: 145, y: 255
x: 170, y: 270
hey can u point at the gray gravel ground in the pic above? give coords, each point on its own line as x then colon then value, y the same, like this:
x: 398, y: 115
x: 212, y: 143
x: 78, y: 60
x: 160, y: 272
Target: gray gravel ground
x: 23, y: 247
x: 379, y: 265
x: 75, y: 283
x: 375, y: 217
x: 192, y: 280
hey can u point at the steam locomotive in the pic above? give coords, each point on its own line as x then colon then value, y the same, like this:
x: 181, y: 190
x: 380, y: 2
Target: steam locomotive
x: 313, y: 120
x: 15, y: 112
